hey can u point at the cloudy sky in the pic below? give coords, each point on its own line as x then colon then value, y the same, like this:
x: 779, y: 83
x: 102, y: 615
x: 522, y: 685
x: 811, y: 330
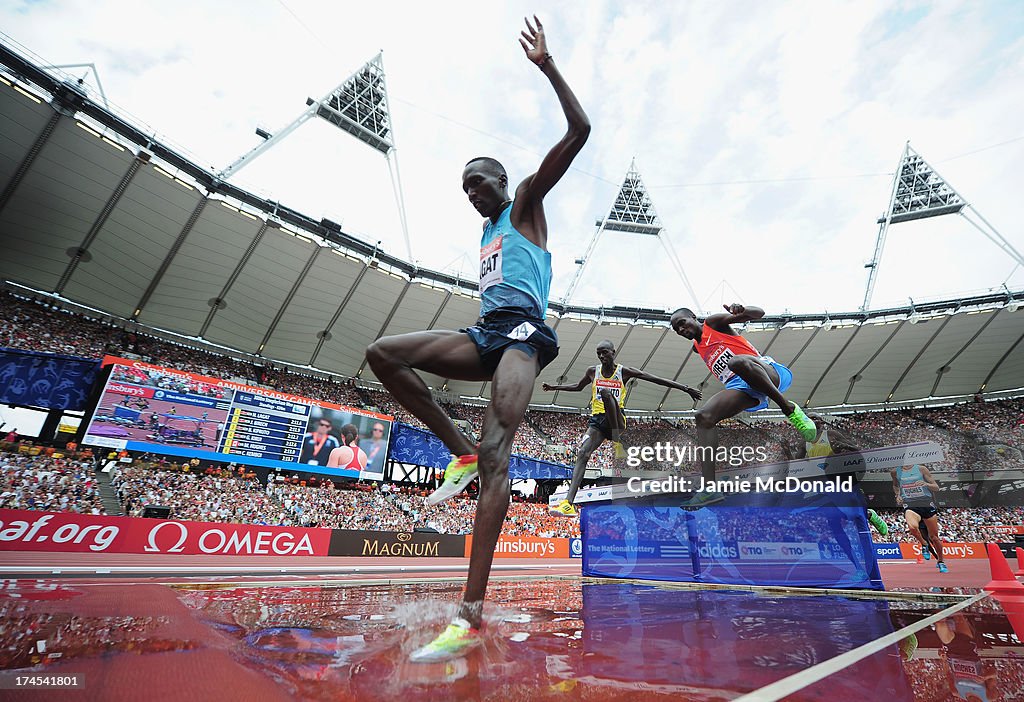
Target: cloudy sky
x: 766, y: 133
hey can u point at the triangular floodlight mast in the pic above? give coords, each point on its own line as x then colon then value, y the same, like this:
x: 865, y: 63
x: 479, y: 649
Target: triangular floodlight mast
x: 919, y: 192
x: 633, y: 211
x: 81, y: 79
x: 358, y: 106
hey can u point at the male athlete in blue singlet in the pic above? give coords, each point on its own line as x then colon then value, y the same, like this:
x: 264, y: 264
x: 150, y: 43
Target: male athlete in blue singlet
x: 914, y: 486
x: 509, y: 345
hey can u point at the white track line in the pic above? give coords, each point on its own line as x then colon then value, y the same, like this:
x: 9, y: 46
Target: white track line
x: 798, y: 681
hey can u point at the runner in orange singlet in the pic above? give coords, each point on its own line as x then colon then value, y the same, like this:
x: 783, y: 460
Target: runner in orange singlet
x: 750, y: 379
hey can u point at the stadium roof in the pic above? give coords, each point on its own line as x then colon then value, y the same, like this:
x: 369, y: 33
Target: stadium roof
x: 98, y: 212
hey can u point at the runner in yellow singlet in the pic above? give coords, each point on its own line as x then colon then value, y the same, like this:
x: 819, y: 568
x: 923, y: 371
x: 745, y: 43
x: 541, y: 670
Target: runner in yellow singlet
x: 607, y: 419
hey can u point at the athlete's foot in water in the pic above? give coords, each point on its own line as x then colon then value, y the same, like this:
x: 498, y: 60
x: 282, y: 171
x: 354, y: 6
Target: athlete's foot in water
x: 454, y: 641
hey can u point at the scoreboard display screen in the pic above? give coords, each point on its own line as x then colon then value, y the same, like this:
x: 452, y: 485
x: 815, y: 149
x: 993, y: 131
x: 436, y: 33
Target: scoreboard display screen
x: 150, y: 408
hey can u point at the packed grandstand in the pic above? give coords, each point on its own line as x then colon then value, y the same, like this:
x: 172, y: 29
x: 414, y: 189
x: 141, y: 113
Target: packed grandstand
x: 983, y: 439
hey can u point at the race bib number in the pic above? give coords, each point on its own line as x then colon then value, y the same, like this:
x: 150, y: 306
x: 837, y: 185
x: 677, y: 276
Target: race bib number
x: 612, y: 386
x: 522, y: 332
x: 720, y: 366
x: 914, y: 491
x: 490, y: 264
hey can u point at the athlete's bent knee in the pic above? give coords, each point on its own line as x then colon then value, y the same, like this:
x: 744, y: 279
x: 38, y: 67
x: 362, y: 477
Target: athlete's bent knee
x: 705, y: 419
x: 738, y: 364
x: 379, y: 353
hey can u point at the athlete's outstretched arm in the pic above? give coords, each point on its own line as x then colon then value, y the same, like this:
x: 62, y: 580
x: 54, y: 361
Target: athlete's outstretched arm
x: 631, y: 373
x: 587, y: 380
x: 528, y: 214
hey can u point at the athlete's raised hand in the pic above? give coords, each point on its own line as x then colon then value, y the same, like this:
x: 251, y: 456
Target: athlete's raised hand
x: 547, y: 387
x: 537, y: 50
x: 735, y: 308
x: 692, y: 392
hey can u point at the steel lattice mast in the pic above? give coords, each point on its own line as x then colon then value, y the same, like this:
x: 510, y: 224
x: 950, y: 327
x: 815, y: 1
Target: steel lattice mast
x: 633, y: 211
x: 359, y: 106
x: 919, y: 192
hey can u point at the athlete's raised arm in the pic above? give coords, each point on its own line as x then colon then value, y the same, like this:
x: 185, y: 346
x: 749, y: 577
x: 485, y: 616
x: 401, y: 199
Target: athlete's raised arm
x: 528, y: 213
x: 584, y: 382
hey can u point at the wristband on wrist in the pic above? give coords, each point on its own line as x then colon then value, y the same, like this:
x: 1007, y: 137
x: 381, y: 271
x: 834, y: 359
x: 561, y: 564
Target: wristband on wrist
x: 544, y: 61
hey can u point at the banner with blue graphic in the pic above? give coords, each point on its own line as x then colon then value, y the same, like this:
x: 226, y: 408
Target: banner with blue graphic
x: 421, y: 448
x: 46, y: 380
x: 801, y: 541
x: 888, y: 552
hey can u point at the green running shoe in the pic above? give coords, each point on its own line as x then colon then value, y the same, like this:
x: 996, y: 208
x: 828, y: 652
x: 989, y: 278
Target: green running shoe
x: 458, y: 638
x: 908, y: 647
x: 878, y: 523
x: 803, y: 423
x: 457, y: 476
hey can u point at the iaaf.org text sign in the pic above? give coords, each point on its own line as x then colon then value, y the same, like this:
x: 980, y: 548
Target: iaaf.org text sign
x: 25, y: 530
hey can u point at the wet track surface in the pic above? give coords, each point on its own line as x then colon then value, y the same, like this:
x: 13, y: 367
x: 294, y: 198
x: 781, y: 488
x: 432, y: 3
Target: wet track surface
x: 553, y: 638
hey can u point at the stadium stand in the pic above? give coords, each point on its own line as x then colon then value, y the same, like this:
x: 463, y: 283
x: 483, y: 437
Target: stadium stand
x: 978, y: 436
x: 48, y: 483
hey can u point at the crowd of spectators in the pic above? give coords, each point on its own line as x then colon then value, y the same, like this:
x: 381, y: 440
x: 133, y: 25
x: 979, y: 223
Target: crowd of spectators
x: 198, y: 497
x: 985, y: 436
x: 326, y: 506
x: 38, y: 327
x: 958, y: 524
x: 47, y: 483
x: 982, y: 437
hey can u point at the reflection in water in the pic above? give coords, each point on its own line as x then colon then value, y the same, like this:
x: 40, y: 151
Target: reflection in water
x: 545, y: 639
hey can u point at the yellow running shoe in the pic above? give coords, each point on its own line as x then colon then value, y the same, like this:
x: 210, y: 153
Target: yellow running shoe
x: 620, y: 451
x: 458, y: 638
x: 457, y: 476
x: 563, y: 509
